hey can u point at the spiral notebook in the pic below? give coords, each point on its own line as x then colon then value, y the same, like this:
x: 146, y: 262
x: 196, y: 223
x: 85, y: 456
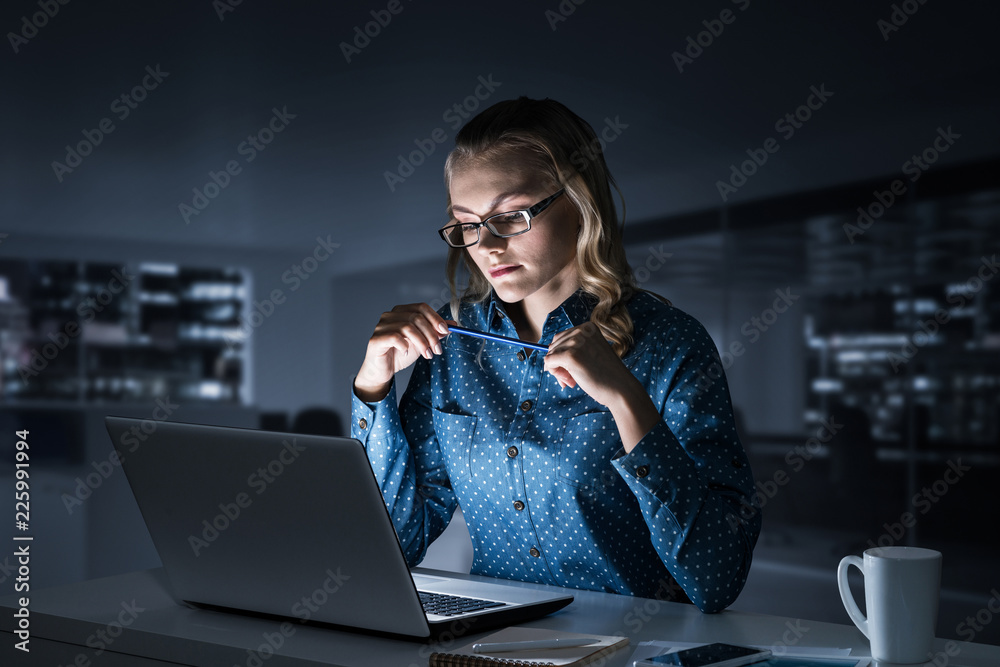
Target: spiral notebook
x: 557, y: 657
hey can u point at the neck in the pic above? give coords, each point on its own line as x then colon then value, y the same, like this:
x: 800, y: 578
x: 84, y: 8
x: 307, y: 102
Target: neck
x: 528, y: 315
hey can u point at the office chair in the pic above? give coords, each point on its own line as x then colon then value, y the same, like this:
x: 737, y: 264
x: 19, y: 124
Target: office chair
x: 318, y: 421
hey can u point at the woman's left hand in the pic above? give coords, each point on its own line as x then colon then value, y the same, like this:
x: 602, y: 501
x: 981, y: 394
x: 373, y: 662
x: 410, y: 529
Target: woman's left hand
x: 581, y: 356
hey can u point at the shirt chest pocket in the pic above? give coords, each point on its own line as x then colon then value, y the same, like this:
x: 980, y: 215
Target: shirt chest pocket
x: 585, y: 450
x: 454, y: 434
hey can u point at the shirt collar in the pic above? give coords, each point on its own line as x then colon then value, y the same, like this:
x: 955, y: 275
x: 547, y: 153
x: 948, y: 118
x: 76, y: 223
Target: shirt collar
x: 578, y: 307
x: 572, y: 312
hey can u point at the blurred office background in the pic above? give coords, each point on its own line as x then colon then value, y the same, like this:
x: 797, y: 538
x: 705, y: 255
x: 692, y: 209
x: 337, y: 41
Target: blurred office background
x: 171, y: 267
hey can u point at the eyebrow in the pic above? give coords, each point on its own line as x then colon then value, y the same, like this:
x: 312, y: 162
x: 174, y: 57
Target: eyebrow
x: 493, y: 204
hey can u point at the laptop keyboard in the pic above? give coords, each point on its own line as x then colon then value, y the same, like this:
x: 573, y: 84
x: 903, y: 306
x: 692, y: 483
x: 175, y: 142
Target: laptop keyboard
x: 453, y: 605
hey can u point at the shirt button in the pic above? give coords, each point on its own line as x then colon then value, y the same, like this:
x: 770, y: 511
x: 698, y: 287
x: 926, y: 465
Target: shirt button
x: 512, y: 452
x: 518, y: 505
x: 642, y: 471
x: 526, y: 406
x: 520, y: 355
x: 363, y: 423
x: 535, y: 552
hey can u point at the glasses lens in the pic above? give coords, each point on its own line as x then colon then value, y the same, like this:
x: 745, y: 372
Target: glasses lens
x: 508, y: 224
x: 461, y: 235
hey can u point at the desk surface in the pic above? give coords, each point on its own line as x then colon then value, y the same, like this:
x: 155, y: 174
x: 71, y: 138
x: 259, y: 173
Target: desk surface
x: 136, y: 615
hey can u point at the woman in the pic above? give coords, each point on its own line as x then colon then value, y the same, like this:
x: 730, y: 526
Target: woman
x: 607, y: 463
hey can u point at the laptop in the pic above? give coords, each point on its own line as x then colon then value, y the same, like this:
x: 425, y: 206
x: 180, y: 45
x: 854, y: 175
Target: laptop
x: 295, y: 526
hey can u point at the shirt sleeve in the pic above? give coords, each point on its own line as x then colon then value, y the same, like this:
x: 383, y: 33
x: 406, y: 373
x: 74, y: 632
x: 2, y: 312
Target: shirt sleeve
x: 408, y: 466
x: 691, y: 474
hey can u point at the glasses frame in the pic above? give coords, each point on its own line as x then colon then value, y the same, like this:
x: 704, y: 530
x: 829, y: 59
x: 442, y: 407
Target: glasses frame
x: 529, y: 213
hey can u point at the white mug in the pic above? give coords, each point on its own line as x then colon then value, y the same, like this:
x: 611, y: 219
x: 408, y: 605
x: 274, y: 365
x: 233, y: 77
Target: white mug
x: 901, y: 597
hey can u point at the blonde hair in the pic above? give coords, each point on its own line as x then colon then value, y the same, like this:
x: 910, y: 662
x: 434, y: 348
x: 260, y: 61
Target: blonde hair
x: 564, y: 149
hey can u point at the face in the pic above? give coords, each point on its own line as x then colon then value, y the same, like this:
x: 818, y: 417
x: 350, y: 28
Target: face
x: 538, y: 264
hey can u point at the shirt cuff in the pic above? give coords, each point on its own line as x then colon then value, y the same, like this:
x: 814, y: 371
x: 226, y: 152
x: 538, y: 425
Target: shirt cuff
x: 651, y: 463
x: 364, y: 415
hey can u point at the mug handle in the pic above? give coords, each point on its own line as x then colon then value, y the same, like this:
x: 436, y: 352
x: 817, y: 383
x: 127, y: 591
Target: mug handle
x: 845, y: 592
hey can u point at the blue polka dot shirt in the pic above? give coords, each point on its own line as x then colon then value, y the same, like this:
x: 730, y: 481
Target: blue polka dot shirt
x: 548, y: 492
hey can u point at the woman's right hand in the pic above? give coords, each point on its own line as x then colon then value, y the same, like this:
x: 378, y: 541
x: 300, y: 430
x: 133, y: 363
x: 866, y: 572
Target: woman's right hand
x: 401, y: 335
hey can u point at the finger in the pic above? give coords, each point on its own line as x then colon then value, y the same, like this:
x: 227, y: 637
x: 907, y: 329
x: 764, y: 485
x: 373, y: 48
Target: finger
x: 556, y: 364
x: 559, y: 357
x: 398, y: 341
x: 561, y: 336
x: 423, y: 334
x: 400, y: 337
x: 414, y: 321
x: 449, y: 324
x: 439, y: 324
x: 564, y: 377
x: 568, y: 339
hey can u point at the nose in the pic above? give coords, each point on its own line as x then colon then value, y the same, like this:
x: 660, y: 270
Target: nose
x: 488, y: 243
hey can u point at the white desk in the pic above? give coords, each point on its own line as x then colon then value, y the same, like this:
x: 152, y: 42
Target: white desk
x: 156, y: 631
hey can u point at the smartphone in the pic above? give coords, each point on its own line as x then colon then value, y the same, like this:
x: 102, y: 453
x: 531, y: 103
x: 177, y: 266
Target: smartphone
x: 709, y: 655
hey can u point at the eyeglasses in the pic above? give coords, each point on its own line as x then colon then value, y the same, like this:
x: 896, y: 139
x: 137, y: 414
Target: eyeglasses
x: 501, y: 225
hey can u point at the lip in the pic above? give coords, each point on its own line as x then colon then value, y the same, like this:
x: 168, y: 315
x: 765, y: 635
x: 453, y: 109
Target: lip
x: 503, y: 269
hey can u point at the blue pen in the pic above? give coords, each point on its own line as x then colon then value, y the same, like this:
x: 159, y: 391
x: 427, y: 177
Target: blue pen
x: 499, y: 339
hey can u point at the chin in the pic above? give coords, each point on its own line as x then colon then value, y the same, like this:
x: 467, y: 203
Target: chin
x: 510, y: 293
